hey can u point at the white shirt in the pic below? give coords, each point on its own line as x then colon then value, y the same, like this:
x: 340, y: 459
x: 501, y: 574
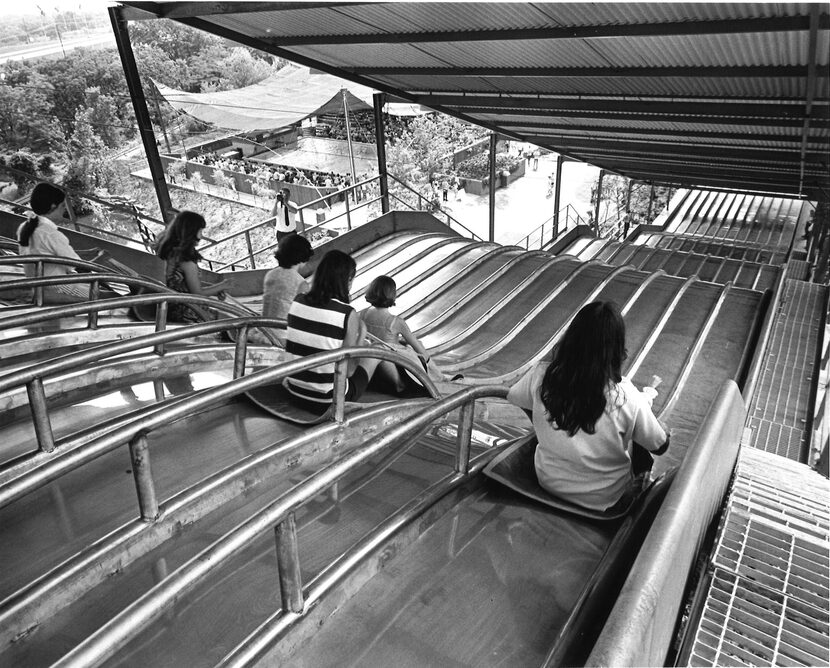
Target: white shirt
x: 284, y: 218
x: 591, y: 470
x: 47, y: 239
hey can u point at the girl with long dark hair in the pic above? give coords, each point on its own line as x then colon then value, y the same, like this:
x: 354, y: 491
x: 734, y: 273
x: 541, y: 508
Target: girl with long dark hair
x: 177, y: 247
x: 591, y: 422
x: 320, y: 320
x: 40, y: 235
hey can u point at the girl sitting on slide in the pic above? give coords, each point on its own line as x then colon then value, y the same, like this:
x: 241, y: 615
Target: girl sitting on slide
x: 393, y: 331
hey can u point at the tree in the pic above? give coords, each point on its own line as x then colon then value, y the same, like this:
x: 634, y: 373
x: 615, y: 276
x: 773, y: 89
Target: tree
x: 88, y: 167
x: 234, y: 70
x: 101, y: 110
x: 25, y: 167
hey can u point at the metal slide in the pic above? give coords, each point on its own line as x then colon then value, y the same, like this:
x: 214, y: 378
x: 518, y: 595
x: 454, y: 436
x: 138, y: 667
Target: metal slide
x: 504, y: 572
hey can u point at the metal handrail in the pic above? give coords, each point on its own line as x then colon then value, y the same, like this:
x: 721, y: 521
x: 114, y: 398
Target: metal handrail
x: 643, y: 620
x: 53, y: 259
x: 97, y: 230
x: 524, y: 242
x: 56, y: 466
x: 94, y: 279
x: 278, y: 516
x: 93, y: 307
x: 472, y: 234
x: 267, y: 222
x: 98, y: 561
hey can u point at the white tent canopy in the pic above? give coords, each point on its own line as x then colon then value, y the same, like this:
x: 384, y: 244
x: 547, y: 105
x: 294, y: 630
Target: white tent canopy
x: 285, y: 98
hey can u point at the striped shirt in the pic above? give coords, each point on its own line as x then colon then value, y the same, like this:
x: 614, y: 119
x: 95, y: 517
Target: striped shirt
x: 315, y: 329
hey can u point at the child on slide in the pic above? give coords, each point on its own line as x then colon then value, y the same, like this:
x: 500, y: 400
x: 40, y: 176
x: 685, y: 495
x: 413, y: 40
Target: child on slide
x: 393, y: 331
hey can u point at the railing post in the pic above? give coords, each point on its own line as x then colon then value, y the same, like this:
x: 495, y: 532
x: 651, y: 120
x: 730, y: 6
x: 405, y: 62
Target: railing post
x: 341, y: 370
x: 143, y: 475
x: 40, y: 415
x: 348, y: 213
x: 158, y: 389
x: 301, y: 211
x: 288, y: 563
x: 240, y: 352
x: 465, y: 432
x: 250, y: 249
x: 39, y: 288
x: 161, y: 324
x: 94, y: 292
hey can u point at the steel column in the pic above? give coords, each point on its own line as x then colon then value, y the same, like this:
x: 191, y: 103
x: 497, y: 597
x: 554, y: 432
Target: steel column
x: 142, y: 114
x: 492, y: 193
x: 378, y: 100
x: 557, y: 193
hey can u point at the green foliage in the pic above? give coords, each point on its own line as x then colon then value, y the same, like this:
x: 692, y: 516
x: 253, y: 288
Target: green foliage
x: 478, y: 166
x: 426, y: 145
x: 24, y: 164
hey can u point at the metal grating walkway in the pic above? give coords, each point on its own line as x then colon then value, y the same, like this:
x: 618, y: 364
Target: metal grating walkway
x: 781, y: 406
x: 768, y: 601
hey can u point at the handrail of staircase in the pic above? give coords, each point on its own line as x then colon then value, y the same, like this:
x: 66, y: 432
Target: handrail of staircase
x: 248, y: 258
x: 524, y: 242
x: 471, y: 234
x: 279, y: 516
x: 49, y: 466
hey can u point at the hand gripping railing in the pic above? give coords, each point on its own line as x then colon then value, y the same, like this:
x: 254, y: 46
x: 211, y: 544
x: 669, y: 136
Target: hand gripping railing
x: 44, y: 468
x: 279, y: 516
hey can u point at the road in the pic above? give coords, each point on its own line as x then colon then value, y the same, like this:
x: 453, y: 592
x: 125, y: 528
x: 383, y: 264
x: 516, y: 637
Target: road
x: 30, y: 51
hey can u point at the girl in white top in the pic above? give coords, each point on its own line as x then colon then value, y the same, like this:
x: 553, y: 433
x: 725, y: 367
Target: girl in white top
x: 591, y: 423
x: 39, y: 235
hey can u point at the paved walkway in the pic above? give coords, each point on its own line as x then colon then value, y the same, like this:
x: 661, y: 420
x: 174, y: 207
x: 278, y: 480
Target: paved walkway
x: 522, y: 206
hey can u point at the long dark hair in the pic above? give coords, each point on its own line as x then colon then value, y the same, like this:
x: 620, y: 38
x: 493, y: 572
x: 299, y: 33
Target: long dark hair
x: 182, y: 235
x: 585, y: 361
x: 332, y: 278
x: 44, y: 198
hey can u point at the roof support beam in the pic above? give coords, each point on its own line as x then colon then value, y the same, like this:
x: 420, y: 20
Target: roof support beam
x: 541, y: 129
x: 729, y: 26
x: 753, y: 71
x: 546, y: 118
x: 179, y: 10
x: 652, y: 147
x: 683, y: 109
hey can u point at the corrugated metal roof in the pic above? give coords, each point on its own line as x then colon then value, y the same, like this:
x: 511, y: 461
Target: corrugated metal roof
x: 746, y: 71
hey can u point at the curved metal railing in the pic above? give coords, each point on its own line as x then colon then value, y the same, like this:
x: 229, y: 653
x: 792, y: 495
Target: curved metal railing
x: 35, y: 470
x: 279, y: 516
x: 73, y: 577
x: 95, y: 280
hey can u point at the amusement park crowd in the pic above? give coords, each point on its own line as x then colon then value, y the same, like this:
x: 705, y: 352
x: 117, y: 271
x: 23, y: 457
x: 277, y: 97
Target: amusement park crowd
x: 268, y: 172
